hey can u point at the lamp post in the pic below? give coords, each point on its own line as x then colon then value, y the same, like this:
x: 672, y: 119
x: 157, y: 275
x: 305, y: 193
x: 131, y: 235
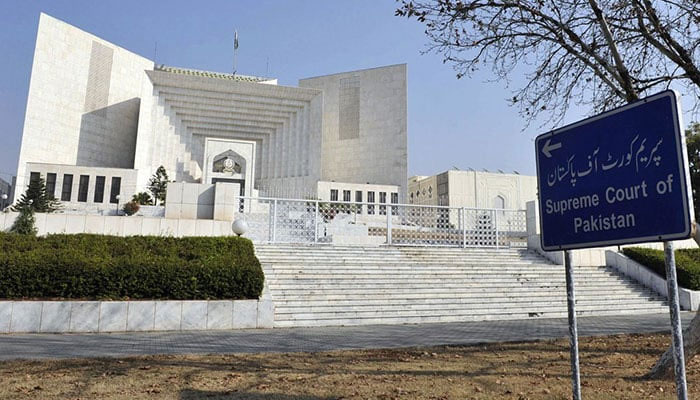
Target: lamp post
x: 239, y: 227
x: 117, y: 210
x: 3, y: 204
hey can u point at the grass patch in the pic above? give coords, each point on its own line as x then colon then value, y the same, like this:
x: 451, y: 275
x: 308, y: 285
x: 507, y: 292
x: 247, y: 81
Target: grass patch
x: 687, y: 264
x: 611, y: 367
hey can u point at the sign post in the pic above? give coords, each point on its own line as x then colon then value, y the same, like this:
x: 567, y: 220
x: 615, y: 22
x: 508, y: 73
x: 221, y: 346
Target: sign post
x: 573, y: 327
x: 677, y: 329
x: 620, y: 177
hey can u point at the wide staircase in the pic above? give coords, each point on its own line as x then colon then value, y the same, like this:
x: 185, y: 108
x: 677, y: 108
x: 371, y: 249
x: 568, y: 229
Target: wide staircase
x: 325, y: 285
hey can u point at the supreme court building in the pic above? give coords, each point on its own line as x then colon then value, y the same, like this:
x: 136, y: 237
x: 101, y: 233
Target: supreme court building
x: 101, y: 119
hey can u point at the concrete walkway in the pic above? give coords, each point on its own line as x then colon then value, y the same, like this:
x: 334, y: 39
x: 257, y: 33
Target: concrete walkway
x: 36, y: 346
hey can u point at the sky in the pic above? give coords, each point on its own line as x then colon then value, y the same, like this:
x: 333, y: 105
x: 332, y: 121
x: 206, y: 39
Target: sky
x: 464, y: 123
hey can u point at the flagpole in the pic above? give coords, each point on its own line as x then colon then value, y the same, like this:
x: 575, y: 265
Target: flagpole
x: 235, y: 51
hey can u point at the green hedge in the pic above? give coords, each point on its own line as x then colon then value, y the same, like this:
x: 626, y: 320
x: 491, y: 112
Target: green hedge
x: 137, y: 267
x: 687, y: 264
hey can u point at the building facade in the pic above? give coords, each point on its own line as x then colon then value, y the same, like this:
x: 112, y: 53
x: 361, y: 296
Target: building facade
x: 473, y: 189
x: 100, y: 120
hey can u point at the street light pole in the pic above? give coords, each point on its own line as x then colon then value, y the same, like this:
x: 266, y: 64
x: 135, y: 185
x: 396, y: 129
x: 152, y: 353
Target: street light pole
x: 117, y: 210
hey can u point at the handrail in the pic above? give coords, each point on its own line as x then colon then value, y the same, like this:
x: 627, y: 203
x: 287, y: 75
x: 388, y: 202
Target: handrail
x: 379, y: 204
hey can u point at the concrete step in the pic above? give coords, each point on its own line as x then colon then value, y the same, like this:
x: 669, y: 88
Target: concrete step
x: 436, y: 279
x: 423, y: 294
x: 456, y: 300
x: 331, y: 285
x: 399, y: 261
x: 475, y: 303
x: 454, y: 318
x: 323, y: 285
x: 523, y: 311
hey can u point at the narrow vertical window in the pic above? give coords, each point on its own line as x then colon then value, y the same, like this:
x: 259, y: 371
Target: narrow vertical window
x: 99, y: 189
x: 346, y: 195
x: 382, y: 199
x: 370, y: 199
x: 83, y: 188
x: 115, y: 189
x: 394, y: 200
x: 67, y: 187
x: 358, y: 199
x: 334, y: 194
x: 51, y: 184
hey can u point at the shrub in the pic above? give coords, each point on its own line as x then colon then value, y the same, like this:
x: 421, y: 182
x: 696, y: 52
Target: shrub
x: 137, y: 267
x: 131, y: 208
x: 158, y: 186
x: 143, y: 198
x: 687, y: 264
x: 24, y: 224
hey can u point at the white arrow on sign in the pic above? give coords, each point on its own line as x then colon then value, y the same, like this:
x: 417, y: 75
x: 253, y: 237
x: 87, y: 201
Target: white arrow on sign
x: 550, y: 147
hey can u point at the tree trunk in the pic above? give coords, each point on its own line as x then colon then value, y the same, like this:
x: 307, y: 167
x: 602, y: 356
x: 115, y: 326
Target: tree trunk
x: 691, y: 341
x: 691, y: 347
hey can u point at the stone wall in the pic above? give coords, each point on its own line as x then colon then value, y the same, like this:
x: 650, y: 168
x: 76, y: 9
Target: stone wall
x: 121, y: 226
x: 688, y: 299
x: 130, y: 316
x: 202, y: 201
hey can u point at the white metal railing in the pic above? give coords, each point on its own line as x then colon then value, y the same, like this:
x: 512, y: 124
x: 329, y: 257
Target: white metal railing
x: 278, y: 220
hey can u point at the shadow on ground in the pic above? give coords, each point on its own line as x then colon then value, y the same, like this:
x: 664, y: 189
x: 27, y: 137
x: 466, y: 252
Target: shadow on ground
x: 189, y: 394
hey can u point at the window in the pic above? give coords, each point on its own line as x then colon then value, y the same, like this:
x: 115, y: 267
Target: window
x: 114, y: 190
x: 499, y: 202
x: 34, y: 176
x: 51, y: 184
x: 360, y: 209
x: 346, y: 195
x: 382, y: 199
x: 370, y: 199
x: 67, y: 187
x: 394, y: 200
x: 358, y: 196
x: 99, y: 189
x: 83, y: 188
x: 334, y: 194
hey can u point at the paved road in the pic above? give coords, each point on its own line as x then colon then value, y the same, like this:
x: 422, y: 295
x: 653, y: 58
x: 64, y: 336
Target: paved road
x: 36, y: 346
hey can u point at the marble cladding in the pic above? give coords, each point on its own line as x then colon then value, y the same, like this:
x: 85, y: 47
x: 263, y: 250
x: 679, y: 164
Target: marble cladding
x: 122, y: 316
x: 202, y: 202
x: 122, y: 225
x: 377, y: 153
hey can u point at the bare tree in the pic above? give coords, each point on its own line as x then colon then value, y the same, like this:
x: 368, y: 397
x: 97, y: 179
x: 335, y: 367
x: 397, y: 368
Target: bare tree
x: 593, y: 53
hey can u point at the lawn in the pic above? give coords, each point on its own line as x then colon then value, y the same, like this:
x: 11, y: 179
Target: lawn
x: 611, y: 367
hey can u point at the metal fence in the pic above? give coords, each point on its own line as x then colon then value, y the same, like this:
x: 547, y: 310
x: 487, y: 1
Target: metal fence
x: 315, y: 221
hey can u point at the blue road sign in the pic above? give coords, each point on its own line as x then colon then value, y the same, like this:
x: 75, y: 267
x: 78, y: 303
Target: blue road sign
x: 617, y: 178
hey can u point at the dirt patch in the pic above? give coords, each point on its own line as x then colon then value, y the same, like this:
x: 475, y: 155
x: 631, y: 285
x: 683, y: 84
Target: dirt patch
x: 611, y: 367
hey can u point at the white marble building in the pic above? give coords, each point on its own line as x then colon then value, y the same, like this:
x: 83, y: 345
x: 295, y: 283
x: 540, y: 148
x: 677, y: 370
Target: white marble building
x: 101, y: 119
x: 473, y: 189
